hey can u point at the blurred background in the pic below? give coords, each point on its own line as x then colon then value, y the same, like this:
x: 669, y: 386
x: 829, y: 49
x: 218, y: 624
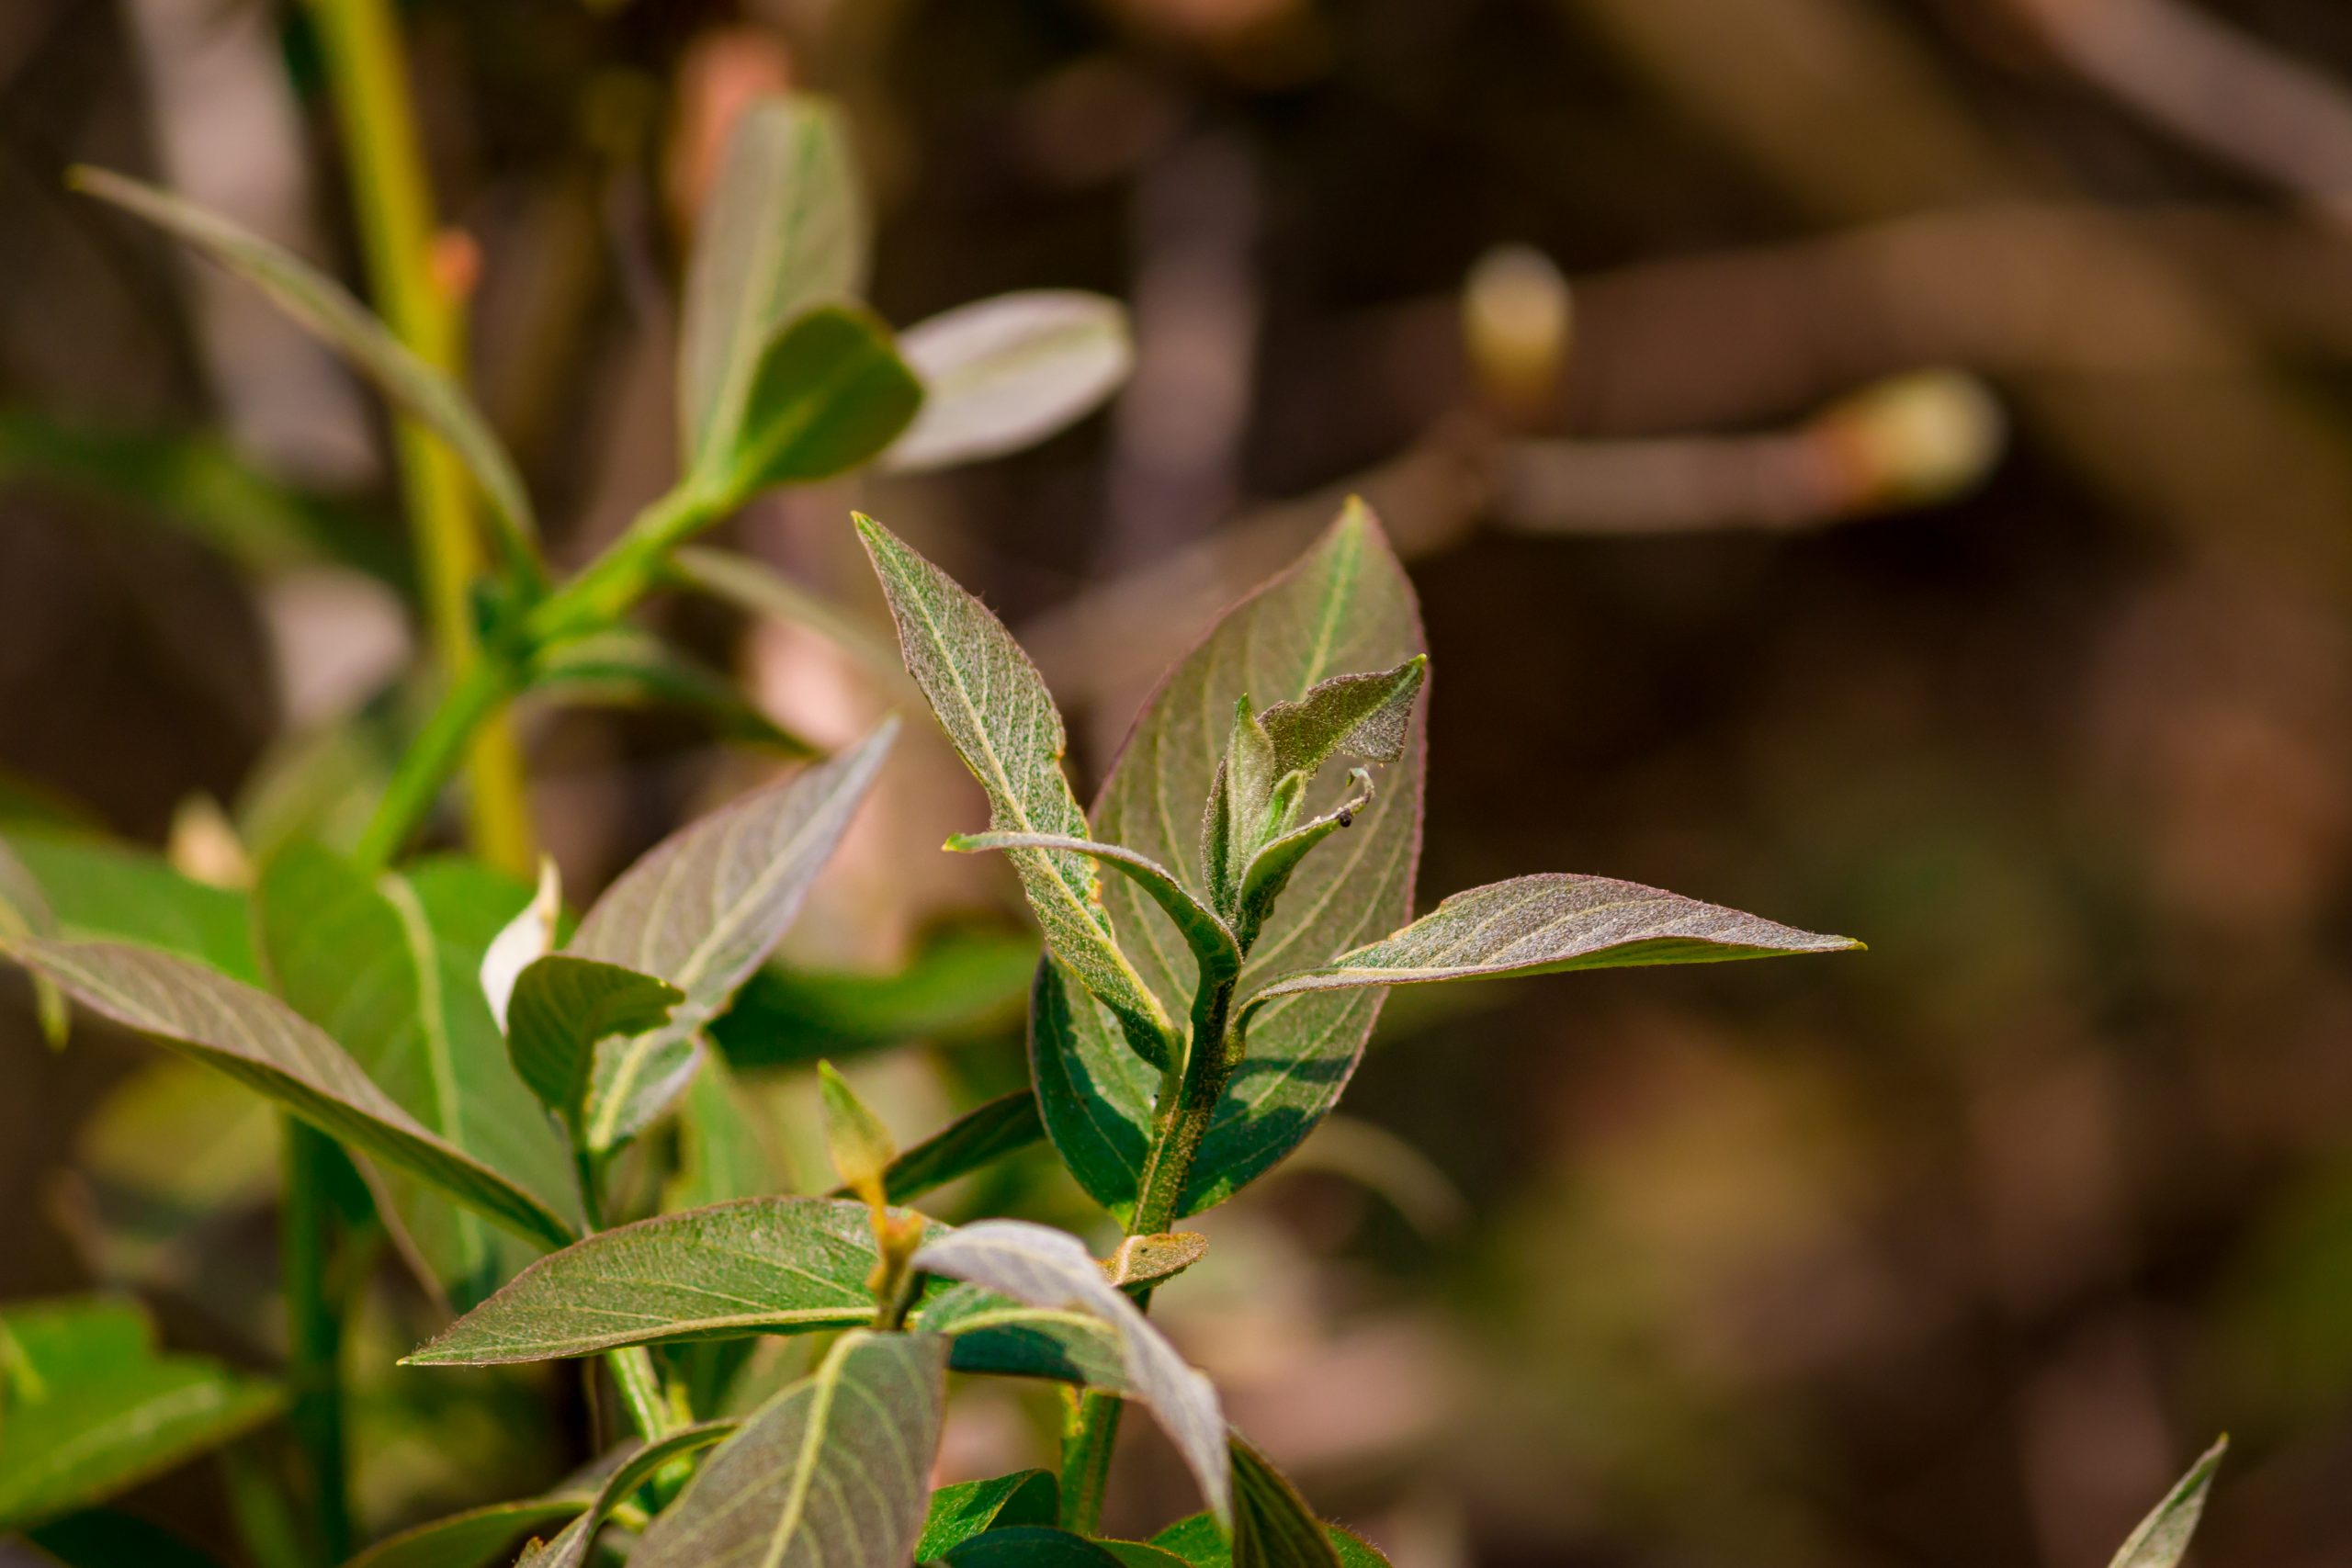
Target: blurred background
x: 1884, y: 464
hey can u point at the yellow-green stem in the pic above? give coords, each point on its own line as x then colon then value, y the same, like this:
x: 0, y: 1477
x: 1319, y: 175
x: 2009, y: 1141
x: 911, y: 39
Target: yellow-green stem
x: 367, y: 67
x: 314, y: 1335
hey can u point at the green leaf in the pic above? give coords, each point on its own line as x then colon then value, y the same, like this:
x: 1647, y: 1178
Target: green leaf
x: 722, y: 1153
x: 571, y: 1547
x: 833, y: 1472
x: 2162, y: 1539
x: 996, y: 710
x: 861, y: 1147
x: 979, y: 1137
x: 108, y: 1538
x: 1547, y: 924
x: 262, y: 1042
x: 1052, y: 1271
x: 522, y: 942
x: 561, y: 1006
x: 24, y: 911
x: 1346, y: 606
x: 323, y: 307
x: 995, y: 1335
x: 101, y: 891
x: 626, y: 667
x: 92, y: 1408
x: 1003, y: 373
x: 784, y: 228
x: 964, y: 981
x: 828, y: 393
x: 1143, y: 1554
x: 475, y: 1537
x: 760, y: 1266
x: 1148, y: 1259
x: 700, y: 910
x: 386, y: 968
x: 1197, y: 1542
x: 758, y: 589
x: 1212, y: 945
x: 961, y: 1511
x: 1030, y: 1546
x: 1273, y: 1526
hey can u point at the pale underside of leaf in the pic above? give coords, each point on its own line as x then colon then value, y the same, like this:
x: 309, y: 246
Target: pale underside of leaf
x: 701, y: 910
x: 1050, y: 1269
x: 571, y: 1547
x: 1345, y: 606
x: 833, y: 1472
x: 2162, y: 1539
x: 259, y: 1040
x: 758, y: 1265
x: 995, y: 708
x: 1002, y: 374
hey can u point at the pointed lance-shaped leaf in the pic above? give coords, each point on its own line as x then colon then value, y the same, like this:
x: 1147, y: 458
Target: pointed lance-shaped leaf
x: 571, y: 1545
x: 963, y: 1510
x: 476, y: 1537
x: 1042, y: 1546
x: 784, y: 228
x: 262, y: 1042
x: 1003, y: 373
x: 1273, y: 1526
x: 1213, y: 945
x: 562, y: 1005
x: 833, y: 1472
x: 1051, y: 1270
x: 385, y: 966
x: 995, y: 708
x: 760, y: 1266
x: 1000, y: 1336
x: 1197, y: 1542
x: 2162, y: 1539
x: 701, y: 910
x: 861, y: 1147
x: 1544, y: 925
x: 1346, y: 606
x: 979, y: 1137
x: 521, y: 942
x: 328, y: 310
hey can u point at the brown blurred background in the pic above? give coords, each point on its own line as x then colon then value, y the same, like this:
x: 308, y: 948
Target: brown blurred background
x: 1952, y: 1254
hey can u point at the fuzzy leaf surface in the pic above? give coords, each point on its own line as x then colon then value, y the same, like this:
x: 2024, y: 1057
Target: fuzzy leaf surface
x: 99, y: 890
x: 326, y: 310
x: 1030, y: 1546
x: 2162, y: 1539
x: 700, y: 910
x: 474, y: 1537
x: 995, y: 708
x: 961, y: 1511
x: 571, y: 1545
x: 833, y: 1472
x: 1002, y: 1337
x: 827, y: 393
x: 385, y: 966
x: 1006, y: 373
x: 1052, y: 1271
x: 561, y: 1006
x: 262, y: 1042
x: 1345, y: 606
x: 758, y: 1265
x: 979, y: 1137
x: 1547, y: 924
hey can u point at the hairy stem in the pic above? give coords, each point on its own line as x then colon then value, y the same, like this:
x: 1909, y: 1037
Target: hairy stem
x: 367, y: 70
x: 1088, y: 1437
x: 314, y: 1331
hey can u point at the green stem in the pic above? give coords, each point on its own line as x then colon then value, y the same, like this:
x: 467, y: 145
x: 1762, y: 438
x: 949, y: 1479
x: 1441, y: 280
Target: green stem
x: 428, y: 763
x: 641, y: 1388
x: 315, y: 1332
x: 1087, y: 1442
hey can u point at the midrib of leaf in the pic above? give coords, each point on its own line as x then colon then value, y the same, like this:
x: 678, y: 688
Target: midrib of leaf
x: 432, y: 1028
x: 812, y: 1442
x: 723, y: 416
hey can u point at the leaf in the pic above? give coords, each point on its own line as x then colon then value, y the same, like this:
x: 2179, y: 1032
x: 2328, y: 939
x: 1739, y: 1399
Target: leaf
x: 386, y: 967
x: 1346, y: 606
x: 1549, y: 924
x: 522, y: 942
x: 329, y: 312
x: 1212, y: 945
x: 979, y: 1137
x: 1030, y: 1546
x: 828, y: 393
x: 1273, y: 1526
x: 996, y: 710
x: 1143, y: 1554
x: 93, y: 1408
x: 964, y: 981
x: 562, y: 1005
x: 626, y: 667
x: 1148, y: 1259
x: 861, y: 1147
x: 1005, y: 373
x: 784, y: 228
x: 24, y: 911
x: 108, y: 1538
x: 1050, y: 1269
x: 2162, y: 1539
x: 474, y: 1537
x: 101, y: 891
x: 571, y: 1547
x: 758, y: 589
x: 961, y: 1511
x: 700, y: 910
x: 259, y: 1040
x: 760, y: 1266
x: 995, y: 1335
x: 1197, y: 1542
x: 833, y: 1472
